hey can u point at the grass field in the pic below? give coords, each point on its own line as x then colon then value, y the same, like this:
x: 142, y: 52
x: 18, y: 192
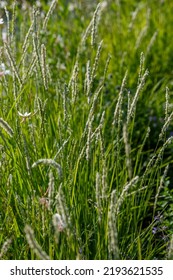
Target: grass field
x: 86, y: 130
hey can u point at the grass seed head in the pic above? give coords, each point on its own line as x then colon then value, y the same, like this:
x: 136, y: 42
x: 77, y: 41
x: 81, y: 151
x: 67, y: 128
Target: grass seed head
x: 34, y: 244
x: 6, y: 127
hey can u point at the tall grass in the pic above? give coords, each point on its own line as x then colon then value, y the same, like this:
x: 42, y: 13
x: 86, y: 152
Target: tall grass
x: 84, y: 171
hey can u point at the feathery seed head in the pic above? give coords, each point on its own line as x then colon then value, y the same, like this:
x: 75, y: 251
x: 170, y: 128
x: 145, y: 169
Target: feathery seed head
x: 58, y: 222
x: 6, y: 127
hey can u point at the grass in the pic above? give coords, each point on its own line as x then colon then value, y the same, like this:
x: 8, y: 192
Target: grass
x: 86, y: 125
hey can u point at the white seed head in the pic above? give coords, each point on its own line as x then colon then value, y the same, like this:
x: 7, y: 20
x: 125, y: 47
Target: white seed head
x: 58, y: 222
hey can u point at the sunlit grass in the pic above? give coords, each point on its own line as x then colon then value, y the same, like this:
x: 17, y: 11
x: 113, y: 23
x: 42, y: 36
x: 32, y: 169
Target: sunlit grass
x: 85, y: 126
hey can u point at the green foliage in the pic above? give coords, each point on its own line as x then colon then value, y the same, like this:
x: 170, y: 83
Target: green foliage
x: 85, y: 127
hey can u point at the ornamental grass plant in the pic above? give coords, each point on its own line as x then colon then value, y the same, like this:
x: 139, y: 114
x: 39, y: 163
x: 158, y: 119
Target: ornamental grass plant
x: 86, y: 130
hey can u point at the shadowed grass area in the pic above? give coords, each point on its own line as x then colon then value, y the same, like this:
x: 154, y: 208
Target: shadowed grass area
x: 86, y: 130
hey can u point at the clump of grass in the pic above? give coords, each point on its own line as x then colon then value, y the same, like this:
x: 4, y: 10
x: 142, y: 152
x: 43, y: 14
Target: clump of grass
x: 84, y: 169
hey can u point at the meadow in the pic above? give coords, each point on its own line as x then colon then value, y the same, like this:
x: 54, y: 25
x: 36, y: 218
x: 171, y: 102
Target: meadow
x: 86, y: 130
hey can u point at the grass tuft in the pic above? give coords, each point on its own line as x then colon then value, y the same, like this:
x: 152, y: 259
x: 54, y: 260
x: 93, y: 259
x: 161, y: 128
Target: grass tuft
x: 86, y: 130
